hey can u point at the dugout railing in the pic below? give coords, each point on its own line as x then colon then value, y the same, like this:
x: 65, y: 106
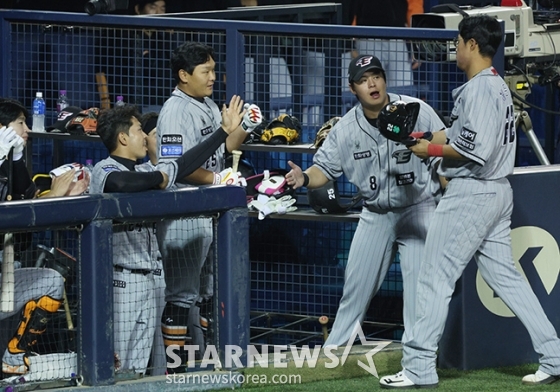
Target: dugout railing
x: 90, y: 218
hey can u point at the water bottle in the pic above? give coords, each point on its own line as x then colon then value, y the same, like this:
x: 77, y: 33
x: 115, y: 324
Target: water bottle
x: 120, y: 101
x: 62, y: 101
x: 38, y: 113
x: 88, y: 167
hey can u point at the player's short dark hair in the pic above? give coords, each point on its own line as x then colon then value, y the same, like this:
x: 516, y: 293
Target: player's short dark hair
x: 10, y: 110
x: 485, y: 30
x: 149, y: 121
x: 114, y: 121
x: 187, y: 56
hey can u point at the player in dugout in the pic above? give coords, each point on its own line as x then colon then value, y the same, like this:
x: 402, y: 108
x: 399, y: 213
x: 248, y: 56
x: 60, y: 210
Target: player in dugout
x: 135, y: 252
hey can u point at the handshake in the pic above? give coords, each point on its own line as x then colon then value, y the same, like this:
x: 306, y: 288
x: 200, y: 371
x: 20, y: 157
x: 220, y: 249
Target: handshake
x: 10, y: 139
x: 252, y: 118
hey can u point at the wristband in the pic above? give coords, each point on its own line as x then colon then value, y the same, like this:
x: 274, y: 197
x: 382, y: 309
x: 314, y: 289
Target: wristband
x: 305, y: 179
x: 435, y: 150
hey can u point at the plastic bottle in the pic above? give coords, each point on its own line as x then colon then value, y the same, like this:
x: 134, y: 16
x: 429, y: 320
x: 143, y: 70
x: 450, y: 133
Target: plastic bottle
x: 120, y: 101
x: 62, y: 101
x: 88, y: 167
x: 38, y: 113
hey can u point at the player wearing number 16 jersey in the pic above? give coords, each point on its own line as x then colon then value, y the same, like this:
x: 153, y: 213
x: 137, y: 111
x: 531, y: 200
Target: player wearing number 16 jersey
x: 398, y: 190
x: 473, y: 217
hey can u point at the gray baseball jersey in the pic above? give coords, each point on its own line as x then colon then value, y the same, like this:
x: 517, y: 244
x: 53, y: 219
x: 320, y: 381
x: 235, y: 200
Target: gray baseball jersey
x: 135, y: 255
x: 473, y: 218
x: 399, y: 192
x: 491, y: 154
x: 183, y: 123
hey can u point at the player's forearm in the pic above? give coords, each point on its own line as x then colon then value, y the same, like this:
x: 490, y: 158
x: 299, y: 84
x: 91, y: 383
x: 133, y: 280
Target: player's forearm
x: 235, y: 139
x: 196, y: 156
x: 200, y: 176
x: 316, y: 177
x: 132, y: 181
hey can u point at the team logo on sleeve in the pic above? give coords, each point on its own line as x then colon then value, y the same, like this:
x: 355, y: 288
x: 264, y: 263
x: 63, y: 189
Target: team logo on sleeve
x: 110, y: 168
x: 362, y: 155
x: 171, y: 145
x: 466, y: 139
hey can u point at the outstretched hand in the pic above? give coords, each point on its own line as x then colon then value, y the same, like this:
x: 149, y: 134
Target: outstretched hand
x: 295, y: 177
x: 232, y: 115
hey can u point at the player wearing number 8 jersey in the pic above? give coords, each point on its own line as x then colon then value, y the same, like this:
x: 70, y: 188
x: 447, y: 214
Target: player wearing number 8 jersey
x: 398, y: 189
x: 473, y: 217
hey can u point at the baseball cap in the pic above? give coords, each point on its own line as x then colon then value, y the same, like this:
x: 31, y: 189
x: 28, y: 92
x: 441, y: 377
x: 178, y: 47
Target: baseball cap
x: 64, y: 117
x: 361, y: 64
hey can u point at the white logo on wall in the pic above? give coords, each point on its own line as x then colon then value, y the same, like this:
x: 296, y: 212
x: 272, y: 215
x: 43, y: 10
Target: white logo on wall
x: 301, y: 355
x: 546, y: 263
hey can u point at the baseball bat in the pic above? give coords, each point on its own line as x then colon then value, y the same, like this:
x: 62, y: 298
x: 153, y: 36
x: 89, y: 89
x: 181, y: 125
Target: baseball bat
x: 103, y: 90
x: 324, y: 320
x: 236, y: 157
x: 8, y: 280
x: 67, y: 311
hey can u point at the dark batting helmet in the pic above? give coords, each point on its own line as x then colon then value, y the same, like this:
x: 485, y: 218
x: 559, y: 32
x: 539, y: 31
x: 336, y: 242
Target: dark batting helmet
x: 396, y: 121
x: 326, y: 199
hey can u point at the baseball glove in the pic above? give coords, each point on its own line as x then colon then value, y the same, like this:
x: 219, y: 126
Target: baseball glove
x: 396, y: 121
x: 284, y: 129
x: 324, y: 131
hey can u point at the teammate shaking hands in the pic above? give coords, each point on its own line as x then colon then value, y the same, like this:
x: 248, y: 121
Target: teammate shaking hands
x: 399, y: 191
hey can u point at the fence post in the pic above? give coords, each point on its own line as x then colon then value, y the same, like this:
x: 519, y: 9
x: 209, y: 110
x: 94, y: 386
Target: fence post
x: 95, y: 342
x: 233, y: 282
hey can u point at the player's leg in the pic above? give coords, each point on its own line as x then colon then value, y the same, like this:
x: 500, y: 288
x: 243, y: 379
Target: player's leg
x: 205, y: 302
x: 142, y: 334
x: 496, y: 265
x: 454, y: 235
x: 371, y: 253
x: 41, y: 289
x: 159, y: 360
x: 412, y: 229
x: 185, y: 246
x: 125, y: 314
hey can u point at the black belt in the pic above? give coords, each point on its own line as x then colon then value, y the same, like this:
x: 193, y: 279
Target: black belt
x: 144, y: 272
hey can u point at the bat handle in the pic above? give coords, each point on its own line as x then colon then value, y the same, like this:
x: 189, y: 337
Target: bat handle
x: 236, y: 157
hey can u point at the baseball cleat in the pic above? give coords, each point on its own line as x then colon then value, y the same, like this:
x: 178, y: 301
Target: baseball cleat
x: 539, y: 378
x: 401, y: 381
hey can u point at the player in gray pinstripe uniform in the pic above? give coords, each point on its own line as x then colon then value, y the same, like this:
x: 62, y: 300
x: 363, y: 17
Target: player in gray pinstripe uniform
x: 473, y: 217
x: 135, y: 250
x: 398, y: 188
x: 188, y: 118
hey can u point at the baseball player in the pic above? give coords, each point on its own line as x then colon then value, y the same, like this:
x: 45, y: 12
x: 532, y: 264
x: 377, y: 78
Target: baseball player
x: 473, y: 217
x: 37, y: 291
x: 187, y: 119
x: 135, y: 248
x: 14, y: 135
x: 399, y: 191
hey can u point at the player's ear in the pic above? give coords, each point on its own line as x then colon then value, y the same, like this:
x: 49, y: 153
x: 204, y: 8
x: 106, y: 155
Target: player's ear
x: 183, y: 76
x: 351, y: 85
x: 122, y: 139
